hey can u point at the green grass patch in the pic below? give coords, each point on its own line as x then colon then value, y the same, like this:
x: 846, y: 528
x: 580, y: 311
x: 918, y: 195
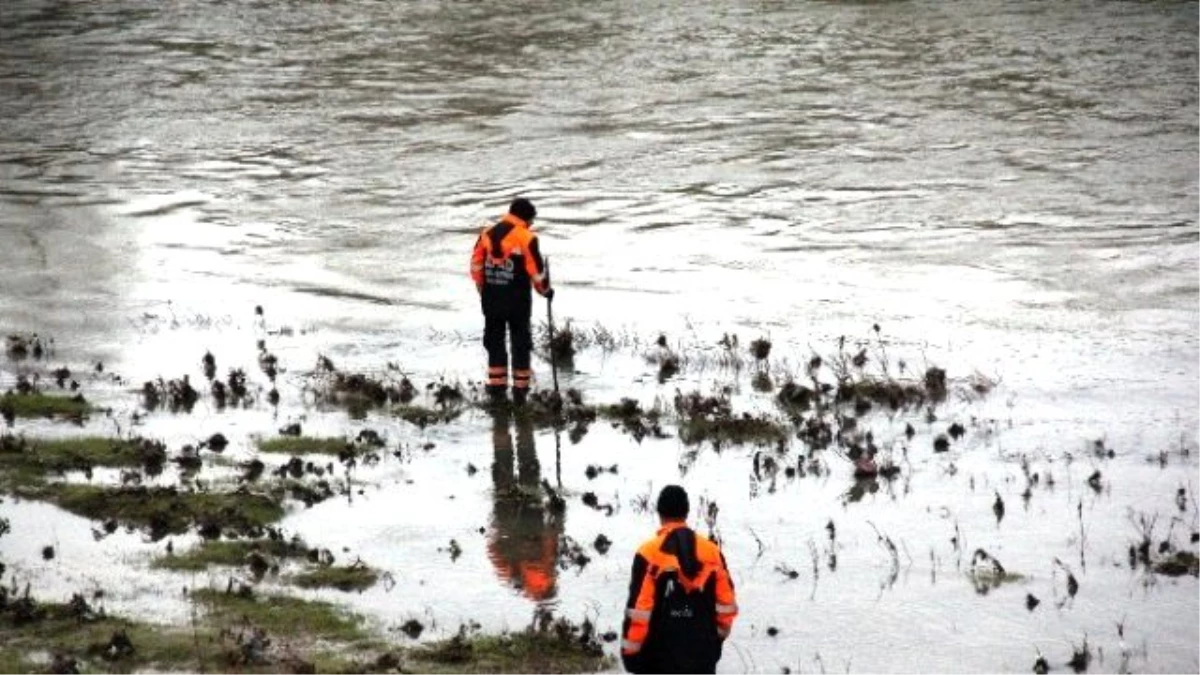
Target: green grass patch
x: 20, y: 478
x: 82, y: 453
x: 283, y: 615
x: 525, y: 652
x: 423, y: 417
x: 230, y: 553
x: 164, y: 510
x: 304, y: 445
x: 44, y: 405
x: 355, y: 577
x: 224, y: 638
x: 78, y: 632
x: 237, y: 632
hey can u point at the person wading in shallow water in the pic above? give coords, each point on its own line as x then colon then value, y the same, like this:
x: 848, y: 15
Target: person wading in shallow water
x: 523, y: 543
x: 505, y: 264
x: 681, y: 603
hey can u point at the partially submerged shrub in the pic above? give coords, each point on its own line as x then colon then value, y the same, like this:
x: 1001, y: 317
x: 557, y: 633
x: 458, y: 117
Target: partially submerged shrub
x: 19, y: 346
x: 711, y: 418
x: 561, y: 344
x: 178, y: 394
x: 760, y: 349
x: 359, y: 391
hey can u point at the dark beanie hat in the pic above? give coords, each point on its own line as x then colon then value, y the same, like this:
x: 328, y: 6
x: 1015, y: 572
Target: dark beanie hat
x: 523, y: 209
x: 673, y: 503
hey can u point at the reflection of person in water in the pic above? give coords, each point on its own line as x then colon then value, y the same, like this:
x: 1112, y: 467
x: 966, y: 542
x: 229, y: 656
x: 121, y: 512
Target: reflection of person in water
x: 523, y: 542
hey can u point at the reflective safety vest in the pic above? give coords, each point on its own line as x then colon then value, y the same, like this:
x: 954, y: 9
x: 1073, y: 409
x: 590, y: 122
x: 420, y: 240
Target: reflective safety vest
x: 505, y: 264
x: 677, y: 555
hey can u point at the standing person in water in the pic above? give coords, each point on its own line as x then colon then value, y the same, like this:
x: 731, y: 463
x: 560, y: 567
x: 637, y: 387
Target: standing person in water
x: 505, y: 265
x: 681, y: 603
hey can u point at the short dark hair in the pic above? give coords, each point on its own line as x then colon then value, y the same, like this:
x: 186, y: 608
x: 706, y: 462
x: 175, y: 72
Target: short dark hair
x: 673, y: 503
x: 523, y: 209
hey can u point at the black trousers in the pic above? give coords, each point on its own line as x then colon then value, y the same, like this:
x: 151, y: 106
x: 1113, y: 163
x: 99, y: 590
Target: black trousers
x: 497, y: 329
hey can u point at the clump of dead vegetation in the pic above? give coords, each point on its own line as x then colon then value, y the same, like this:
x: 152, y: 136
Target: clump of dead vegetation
x: 710, y: 418
x: 360, y: 392
x: 560, y: 346
x: 18, y: 346
x: 629, y: 416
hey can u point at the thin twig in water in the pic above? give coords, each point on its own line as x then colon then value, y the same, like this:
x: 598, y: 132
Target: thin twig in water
x: 890, y: 546
x: 1082, y: 537
x: 958, y: 545
x: 761, y: 548
x: 812, y: 550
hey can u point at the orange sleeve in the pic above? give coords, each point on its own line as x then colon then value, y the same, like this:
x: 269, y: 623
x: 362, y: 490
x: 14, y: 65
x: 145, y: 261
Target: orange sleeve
x: 535, y: 266
x: 638, y: 609
x: 477, y: 262
x: 727, y: 609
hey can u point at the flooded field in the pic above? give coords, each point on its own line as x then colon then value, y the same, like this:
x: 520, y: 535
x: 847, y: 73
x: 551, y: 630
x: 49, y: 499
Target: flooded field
x: 959, y: 239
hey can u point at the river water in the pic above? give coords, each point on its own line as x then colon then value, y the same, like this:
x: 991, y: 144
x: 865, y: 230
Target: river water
x: 1007, y: 188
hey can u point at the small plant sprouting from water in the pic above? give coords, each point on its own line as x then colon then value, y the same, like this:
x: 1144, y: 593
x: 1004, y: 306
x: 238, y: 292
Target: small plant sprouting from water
x: 760, y: 349
x: 1081, y: 657
x: 19, y: 346
x: 1072, y: 582
x: 561, y: 345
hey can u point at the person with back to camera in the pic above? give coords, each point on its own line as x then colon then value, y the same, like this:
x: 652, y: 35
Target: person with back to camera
x: 681, y: 604
x: 505, y: 264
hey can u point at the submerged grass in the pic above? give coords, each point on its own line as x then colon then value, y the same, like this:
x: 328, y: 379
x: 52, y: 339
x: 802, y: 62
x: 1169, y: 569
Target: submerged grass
x: 68, y: 454
x: 284, y: 615
x: 355, y: 577
x: 235, y: 634
x: 423, y: 416
x: 163, y: 510
x: 43, y: 405
x: 230, y: 553
x: 525, y: 652
x: 93, y: 642
x: 238, y: 632
x: 304, y: 445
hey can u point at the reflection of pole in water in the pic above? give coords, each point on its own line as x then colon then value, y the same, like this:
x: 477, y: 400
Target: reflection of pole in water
x: 557, y: 458
x: 523, y: 543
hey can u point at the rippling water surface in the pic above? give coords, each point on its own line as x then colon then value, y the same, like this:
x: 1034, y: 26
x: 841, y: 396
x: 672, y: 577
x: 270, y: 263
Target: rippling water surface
x: 1002, y: 187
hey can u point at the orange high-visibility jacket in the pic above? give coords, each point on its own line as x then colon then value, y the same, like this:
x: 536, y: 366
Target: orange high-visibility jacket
x: 505, y: 264
x: 650, y: 561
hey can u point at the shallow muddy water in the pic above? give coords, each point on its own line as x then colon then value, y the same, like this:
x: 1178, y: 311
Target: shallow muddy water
x: 1003, y: 188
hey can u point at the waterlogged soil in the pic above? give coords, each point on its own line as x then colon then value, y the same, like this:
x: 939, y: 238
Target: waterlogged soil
x: 863, y: 503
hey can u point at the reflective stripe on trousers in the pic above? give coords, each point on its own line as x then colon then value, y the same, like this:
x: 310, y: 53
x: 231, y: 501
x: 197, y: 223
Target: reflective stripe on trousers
x: 497, y: 376
x: 521, y: 378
